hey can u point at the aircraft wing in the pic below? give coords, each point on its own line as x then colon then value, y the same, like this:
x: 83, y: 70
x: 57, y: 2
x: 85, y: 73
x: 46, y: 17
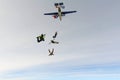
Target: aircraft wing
x: 54, y: 13
x: 67, y: 12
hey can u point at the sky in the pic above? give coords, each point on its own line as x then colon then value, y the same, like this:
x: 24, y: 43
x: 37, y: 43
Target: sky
x: 89, y: 42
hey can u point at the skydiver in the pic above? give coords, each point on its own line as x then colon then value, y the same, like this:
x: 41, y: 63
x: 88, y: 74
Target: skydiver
x: 51, y: 52
x: 55, y: 35
x: 41, y: 38
x: 54, y: 42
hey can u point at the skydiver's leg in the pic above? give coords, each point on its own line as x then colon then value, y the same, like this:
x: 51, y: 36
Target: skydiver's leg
x: 52, y: 50
x: 38, y: 40
x: 49, y: 52
x: 43, y: 39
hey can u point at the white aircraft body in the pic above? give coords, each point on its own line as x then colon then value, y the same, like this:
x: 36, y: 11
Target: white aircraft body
x: 59, y: 13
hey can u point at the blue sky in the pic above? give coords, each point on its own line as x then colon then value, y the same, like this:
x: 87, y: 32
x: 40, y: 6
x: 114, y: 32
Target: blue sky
x: 89, y: 47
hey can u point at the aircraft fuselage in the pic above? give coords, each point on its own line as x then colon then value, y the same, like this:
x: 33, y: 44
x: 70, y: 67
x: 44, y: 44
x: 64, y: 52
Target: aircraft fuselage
x: 60, y: 13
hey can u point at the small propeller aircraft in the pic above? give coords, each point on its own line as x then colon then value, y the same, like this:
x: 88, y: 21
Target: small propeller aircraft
x: 59, y: 13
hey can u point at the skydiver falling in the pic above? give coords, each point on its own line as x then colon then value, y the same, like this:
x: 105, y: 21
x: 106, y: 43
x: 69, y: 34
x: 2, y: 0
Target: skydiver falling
x: 41, y: 38
x: 51, y: 52
x: 54, y: 42
x: 55, y: 35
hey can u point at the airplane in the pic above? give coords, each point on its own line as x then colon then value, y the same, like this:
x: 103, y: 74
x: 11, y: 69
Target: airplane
x: 59, y: 13
x: 51, y: 52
